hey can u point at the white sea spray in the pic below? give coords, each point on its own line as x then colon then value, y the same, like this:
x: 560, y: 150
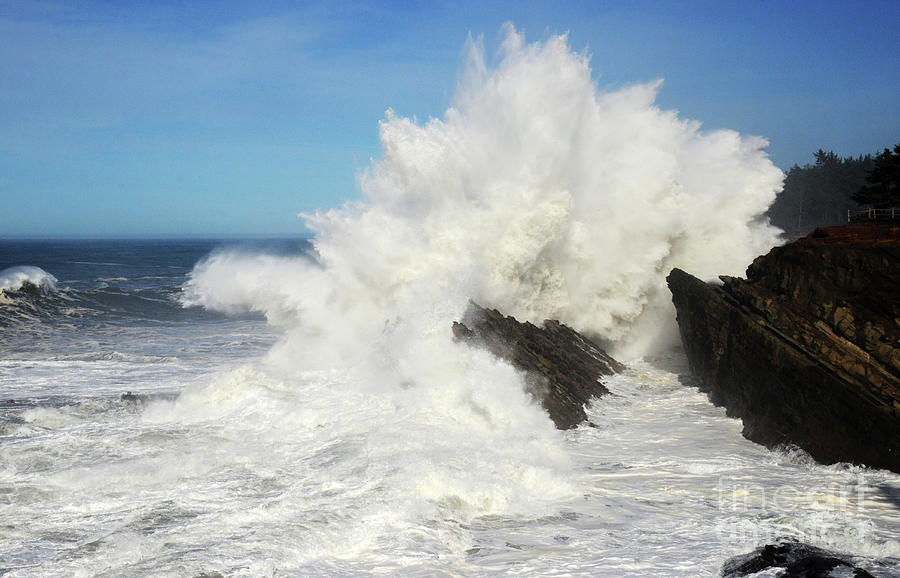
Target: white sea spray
x: 536, y: 193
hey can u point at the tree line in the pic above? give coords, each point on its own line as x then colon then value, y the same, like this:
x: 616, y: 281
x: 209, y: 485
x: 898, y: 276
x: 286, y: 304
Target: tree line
x: 820, y: 194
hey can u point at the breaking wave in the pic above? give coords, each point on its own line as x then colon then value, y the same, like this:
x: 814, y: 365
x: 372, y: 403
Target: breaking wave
x: 535, y: 193
x: 25, y: 279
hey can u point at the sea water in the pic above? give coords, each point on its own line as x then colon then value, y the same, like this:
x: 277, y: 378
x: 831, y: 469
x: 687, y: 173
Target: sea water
x: 301, y: 408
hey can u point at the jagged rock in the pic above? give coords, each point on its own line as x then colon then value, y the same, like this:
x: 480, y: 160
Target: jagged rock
x: 806, y: 350
x: 795, y: 560
x: 563, y: 366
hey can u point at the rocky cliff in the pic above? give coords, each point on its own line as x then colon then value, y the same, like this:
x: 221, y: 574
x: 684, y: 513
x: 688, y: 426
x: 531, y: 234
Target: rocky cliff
x: 806, y: 349
x: 563, y: 367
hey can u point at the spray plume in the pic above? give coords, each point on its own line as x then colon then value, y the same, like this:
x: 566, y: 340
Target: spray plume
x: 537, y: 194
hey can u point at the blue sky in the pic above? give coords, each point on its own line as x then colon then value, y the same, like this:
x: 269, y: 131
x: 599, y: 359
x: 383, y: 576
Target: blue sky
x: 229, y: 118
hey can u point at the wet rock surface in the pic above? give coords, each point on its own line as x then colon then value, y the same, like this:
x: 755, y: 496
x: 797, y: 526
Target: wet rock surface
x: 563, y: 367
x: 806, y: 349
x: 792, y: 560
x: 145, y: 398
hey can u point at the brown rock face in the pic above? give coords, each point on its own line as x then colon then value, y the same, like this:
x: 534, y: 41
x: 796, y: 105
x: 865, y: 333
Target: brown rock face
x: 806, y: 350
x: 563, y: 366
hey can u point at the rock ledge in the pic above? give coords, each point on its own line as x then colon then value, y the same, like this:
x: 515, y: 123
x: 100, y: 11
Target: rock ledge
x: 806, y: 350
x: 563, y: 366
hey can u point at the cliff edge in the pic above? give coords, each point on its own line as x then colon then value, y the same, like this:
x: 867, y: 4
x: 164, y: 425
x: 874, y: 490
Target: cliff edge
x: 806, y: 349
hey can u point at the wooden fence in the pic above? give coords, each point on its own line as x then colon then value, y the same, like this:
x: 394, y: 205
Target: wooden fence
x: 860, y: 215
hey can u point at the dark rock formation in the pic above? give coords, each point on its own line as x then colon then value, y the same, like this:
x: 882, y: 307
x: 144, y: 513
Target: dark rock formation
x: 562, y: 365
x: 806, y: 350
x: 145, y: 398
x: 795, y: 559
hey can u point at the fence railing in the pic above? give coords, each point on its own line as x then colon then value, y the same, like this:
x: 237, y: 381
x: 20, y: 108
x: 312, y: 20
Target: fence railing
x: 891, y: 214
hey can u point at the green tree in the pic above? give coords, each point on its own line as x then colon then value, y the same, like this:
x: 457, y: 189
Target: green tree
x: 882, y: 188
x: 818, y: 195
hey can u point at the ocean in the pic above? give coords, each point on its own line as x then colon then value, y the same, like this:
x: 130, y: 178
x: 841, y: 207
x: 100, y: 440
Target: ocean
x: 224, y: 460
x: 300, y: 408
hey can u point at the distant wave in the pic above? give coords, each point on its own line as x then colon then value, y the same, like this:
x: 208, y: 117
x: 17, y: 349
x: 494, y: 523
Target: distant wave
x: 25, y: 279
x: 30, y: 296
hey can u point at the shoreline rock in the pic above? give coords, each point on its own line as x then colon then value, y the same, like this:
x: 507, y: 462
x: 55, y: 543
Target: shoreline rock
x: 563, y: 367
x: 806, y: 350
x: 794, y: 559
x: 145, y: 398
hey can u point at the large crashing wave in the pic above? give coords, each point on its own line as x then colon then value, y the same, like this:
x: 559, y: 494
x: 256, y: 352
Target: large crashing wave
x: 537, y: 194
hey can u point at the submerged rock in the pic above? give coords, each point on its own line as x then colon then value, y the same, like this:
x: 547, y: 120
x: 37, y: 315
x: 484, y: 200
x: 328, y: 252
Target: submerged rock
x: 806, y: 350
x: 794, y: 560
x: 145, y: 398
x: 563, y: 367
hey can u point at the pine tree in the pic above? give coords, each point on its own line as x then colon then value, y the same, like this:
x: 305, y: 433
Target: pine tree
x: 882, y: 188
x: 818, y: 195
